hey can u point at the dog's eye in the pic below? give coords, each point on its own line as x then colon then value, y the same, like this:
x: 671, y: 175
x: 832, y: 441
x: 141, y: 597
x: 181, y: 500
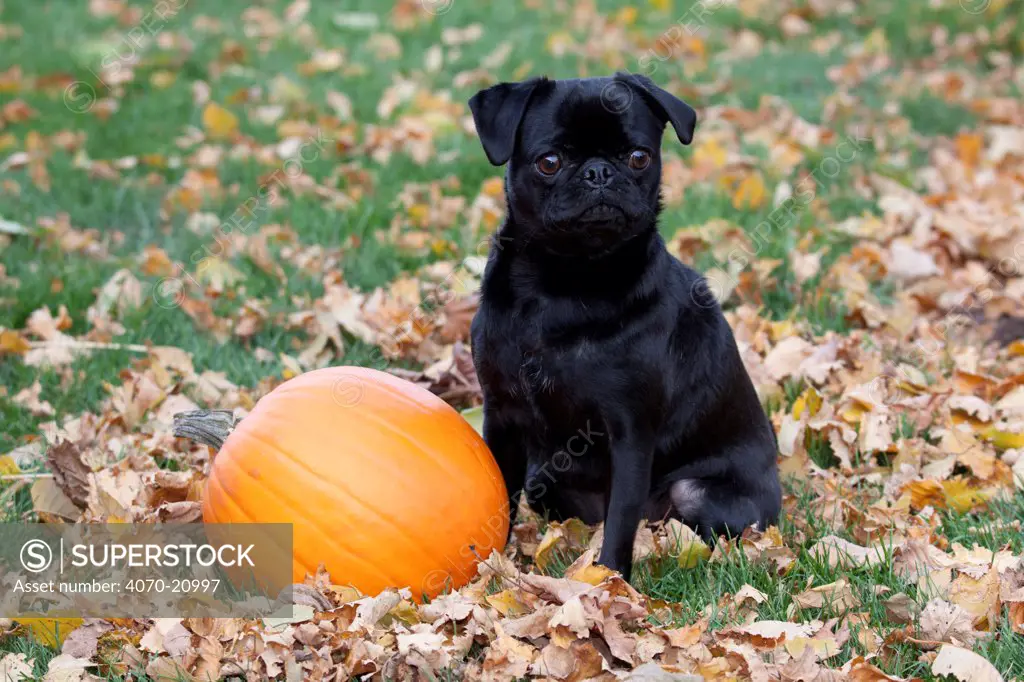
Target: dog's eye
x: 549, y: 164
x: 639, y: 159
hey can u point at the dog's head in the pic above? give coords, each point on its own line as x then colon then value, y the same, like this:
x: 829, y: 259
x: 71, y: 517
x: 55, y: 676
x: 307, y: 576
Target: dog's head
x: 584, y: 166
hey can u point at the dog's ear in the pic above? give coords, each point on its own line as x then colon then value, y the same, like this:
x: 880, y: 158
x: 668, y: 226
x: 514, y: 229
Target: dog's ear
x: 672, y: 109
x: 497, y: 112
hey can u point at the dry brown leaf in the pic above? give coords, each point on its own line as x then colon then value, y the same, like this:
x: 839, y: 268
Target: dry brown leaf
x: 508, y: 658
x: 167, y: 635
x: 978, y: 596
x: 69, y: 471
x: 900, y: 608
x: 846, y: 554
x: 785, y: 358
x: 50, y: 502
x: 942, y: 621
x: 837, y: 597
x: 860, y: 670
x: 31, y: 400
x: 964, y: 665
x: 15, y: 667
x: 769, y: 634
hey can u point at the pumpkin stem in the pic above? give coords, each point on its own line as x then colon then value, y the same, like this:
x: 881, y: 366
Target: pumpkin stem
x: 209, y: 427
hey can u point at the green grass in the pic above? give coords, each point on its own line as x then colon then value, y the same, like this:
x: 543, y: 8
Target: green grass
x: 692, y: 591
x: 127, y: 213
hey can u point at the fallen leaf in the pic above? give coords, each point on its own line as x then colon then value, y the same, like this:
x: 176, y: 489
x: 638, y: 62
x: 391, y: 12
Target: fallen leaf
x: 942, y: 621
x: 823, y: 648
x: 964, y: 665
x: 978, y: 596
x: 68, y: 668
x: 220, y: 123
x: 50, y: 631
x: 31, y: 400
x: 769, y: 634
x: 750, y: 193
x: 13, y: 342
x: 837, y: 597
x: 69, y: 471
x: 15, y: 667
x: 785, y: 358
x: 845, y: 554
x: 50, y: 502
x: 682, y: 543
x: 900, y: 608
x: 81, y: 643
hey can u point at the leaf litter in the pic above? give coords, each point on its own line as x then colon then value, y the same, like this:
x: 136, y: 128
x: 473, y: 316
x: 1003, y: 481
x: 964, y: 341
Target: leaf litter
x: 918, y: 406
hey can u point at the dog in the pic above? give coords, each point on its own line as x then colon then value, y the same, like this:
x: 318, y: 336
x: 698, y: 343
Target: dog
x: 613, y: 388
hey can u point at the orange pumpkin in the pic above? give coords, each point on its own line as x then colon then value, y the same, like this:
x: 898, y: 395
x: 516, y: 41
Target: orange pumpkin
x: 384, y: 483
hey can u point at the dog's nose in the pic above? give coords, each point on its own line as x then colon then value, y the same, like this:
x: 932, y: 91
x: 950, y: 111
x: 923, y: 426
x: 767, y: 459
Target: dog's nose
x: 598, y: 174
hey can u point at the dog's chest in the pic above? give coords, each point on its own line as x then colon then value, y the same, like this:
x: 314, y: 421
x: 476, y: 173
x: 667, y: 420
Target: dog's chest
x: 555, y: 373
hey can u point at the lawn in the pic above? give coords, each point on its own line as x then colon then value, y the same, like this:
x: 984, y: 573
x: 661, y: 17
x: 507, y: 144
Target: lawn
x: 199, y: 201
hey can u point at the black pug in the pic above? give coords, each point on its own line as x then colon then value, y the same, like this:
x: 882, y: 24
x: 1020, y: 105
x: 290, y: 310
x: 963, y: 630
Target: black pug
x: 613, y: 388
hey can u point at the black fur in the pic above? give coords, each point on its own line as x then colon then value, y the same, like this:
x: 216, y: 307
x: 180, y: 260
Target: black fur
x: 609, y: 373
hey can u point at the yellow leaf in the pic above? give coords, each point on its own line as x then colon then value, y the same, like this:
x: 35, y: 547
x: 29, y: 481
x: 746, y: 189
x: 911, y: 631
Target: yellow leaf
x: 750, y: 193
x: 219, y: 122
x: 968, y: 148
x: 507, y: 603
x: 568, y: 535
x: 709, y: 153
x: 853, y: 413
x: 687, y: 547
x: 954, y: 494
x: 50, y: 631
x: 345, y: 593
x: 1004, y: 440
x: 924, y: 493
x: 661, y: 5
x: 155, y: 160
x: 961, y: 497
x: 419, y: 213
x: 12, y: 342
x: 809, y: 400
x: 782, y: 329
x: 697, y: 46
x: 406, y: 612
x: 823, y: 648
x: 494, y: 187
x: 593, y: 574
x: 626, y: 16
x: 543, y: 556
x: 8, y: 467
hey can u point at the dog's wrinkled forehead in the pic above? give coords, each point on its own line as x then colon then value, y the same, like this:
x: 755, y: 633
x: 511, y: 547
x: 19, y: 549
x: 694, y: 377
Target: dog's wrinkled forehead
x: 614, y: 111
x: 589, y: 116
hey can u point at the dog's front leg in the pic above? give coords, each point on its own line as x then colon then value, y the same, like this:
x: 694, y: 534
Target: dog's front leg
x: 632, y: 460
x: 506, y: 444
